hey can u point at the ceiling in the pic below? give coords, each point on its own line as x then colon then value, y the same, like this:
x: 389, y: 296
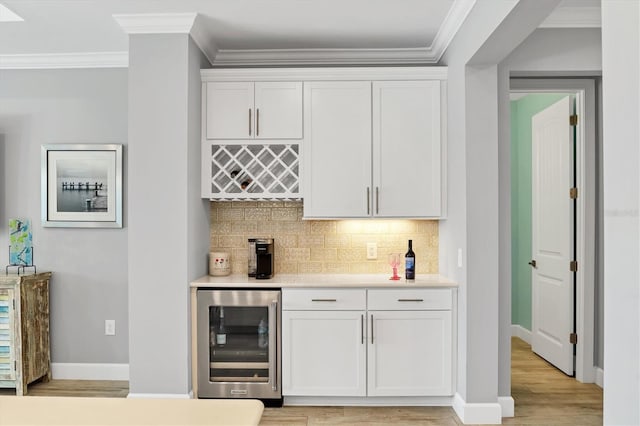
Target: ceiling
x: 419, y: 29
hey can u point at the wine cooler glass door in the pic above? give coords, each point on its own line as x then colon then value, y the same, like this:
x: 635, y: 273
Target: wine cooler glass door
x: 238, y: 347
x: 238, y: 344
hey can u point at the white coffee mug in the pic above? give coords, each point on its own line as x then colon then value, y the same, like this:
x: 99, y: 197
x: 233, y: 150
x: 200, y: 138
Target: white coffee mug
x: 219, y: 264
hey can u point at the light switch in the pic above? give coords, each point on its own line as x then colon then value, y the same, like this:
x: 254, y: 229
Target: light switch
x: 109, y: 327
x: 372, y: 251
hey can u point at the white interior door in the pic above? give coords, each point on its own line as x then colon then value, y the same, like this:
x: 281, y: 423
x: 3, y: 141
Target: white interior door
x: 553, y: 235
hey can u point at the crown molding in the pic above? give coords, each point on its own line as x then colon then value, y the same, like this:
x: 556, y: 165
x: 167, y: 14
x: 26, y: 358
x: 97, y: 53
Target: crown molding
x: 170, y: 23
x: 65, y: 60
x: 324, y: 73
x: 301, y: 57
x: 450, y: 26
x: 203, y: 39
x: 8, y: 15
x: 574, y: 17
x: 156, y: 23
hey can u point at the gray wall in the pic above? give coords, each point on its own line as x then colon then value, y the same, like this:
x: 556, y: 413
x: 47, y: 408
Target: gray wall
x: 621, y: 131
x: 168, y: 221
x: 89, y: 266
x: 198, y: 209
x: 477, y: 214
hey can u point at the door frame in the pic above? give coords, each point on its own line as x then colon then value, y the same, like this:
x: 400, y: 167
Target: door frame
x: 585, y: 158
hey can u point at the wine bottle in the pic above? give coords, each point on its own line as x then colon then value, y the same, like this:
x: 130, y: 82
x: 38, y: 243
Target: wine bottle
x: 410, y: 263
x: 221, y: 332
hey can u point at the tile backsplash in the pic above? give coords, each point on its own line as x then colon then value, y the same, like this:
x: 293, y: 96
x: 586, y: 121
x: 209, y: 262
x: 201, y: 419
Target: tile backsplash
x: 317, y: 246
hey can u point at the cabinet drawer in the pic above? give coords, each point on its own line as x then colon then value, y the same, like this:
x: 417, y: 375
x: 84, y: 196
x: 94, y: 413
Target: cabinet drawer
x: 409, y: 299
x: 324, y: 299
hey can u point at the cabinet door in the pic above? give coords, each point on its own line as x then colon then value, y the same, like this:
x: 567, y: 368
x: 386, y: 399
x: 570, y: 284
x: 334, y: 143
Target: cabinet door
x: 406, y: 148
x: 337, y: 150
x: 7, y: 333
x: 409, y: 353
x: 229, y: 110
x: 278, y: 110
x: 323, y: 353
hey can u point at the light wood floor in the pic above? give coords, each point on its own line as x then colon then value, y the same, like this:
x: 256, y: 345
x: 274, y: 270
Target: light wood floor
x: 543, y: 395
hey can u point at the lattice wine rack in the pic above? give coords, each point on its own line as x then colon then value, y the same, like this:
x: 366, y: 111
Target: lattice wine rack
x: 254, y: 171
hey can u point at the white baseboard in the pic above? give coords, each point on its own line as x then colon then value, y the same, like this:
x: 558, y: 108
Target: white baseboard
x: 488, y: 413
x: 87, y: 371
x: 599, y: 377
x: 508, y: 406
x: 519, y: 331
x: 161, y: 395
x: 369, y: 401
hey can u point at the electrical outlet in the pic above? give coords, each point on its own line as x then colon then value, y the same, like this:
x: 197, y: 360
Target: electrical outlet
x: 109, y: 327
x: 372, y: 251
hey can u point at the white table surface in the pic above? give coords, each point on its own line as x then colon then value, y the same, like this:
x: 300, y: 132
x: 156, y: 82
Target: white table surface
x: 76, y: 411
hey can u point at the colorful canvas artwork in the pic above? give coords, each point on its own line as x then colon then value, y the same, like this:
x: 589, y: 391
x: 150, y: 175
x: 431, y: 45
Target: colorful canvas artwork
x: 21, y: 248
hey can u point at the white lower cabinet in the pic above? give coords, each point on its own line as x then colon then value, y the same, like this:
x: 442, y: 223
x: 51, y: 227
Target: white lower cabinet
x: 325, y: 352
x: 399, y: 343
x: 409, y: 353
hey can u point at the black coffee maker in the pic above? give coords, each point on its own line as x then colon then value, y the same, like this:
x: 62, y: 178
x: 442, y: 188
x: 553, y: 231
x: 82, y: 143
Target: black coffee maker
x: 264, y: 258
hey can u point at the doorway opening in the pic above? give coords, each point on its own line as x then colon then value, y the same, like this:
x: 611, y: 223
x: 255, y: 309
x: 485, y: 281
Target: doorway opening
x: 531, y: 96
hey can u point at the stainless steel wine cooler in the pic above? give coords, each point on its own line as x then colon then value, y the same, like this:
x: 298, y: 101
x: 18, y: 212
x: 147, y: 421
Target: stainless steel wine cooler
x: 239, y: 348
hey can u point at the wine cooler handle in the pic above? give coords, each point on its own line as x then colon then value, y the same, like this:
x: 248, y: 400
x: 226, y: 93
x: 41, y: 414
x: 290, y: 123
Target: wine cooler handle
x: 368, y: 200
x: 273, y: 364
x: 362, y: 329
x: 249, y: 121
x: 377, y: 200
x: 372, y: 329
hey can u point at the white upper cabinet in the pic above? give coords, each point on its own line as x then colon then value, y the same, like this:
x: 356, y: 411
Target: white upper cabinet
x: 406, y: 148
x: 372, y: 144
x: 254, y: 110
x: 373, y: 149
x: 337, y: 150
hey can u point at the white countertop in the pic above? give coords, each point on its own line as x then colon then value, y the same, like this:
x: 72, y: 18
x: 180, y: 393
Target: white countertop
x: 323, y: 280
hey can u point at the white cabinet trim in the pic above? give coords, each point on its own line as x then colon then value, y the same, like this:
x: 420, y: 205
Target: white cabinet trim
x: 324, y: 74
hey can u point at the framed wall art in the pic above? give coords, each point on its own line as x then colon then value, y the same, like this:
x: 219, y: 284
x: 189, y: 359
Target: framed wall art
x: 82, y: 185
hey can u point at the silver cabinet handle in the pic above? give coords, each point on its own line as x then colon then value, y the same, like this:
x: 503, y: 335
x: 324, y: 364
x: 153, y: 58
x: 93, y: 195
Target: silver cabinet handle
x: 272, y: 347
x: 257, y: 121
x: 368, y: 201
x: 324, y: 300
x: 377, y: 200
x: 372, y: 329
x: 249, y: 121
x: 410, y: 300
x: 362, y: 329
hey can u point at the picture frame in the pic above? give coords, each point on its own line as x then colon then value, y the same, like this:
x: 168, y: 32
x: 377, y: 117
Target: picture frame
x: 81, y: 185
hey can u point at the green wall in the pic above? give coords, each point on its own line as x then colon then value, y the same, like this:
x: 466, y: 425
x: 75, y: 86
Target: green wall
x: 521, y: 112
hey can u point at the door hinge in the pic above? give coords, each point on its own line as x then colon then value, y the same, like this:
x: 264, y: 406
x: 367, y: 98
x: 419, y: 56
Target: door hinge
x: 573, y: 266
x: 573, y: 338
x: 573, y: 193
x: 573, y: 120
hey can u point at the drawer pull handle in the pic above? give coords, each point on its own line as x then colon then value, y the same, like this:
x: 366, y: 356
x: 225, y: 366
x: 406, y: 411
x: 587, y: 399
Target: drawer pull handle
x: 324, y: 300
x: 410, y: 300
